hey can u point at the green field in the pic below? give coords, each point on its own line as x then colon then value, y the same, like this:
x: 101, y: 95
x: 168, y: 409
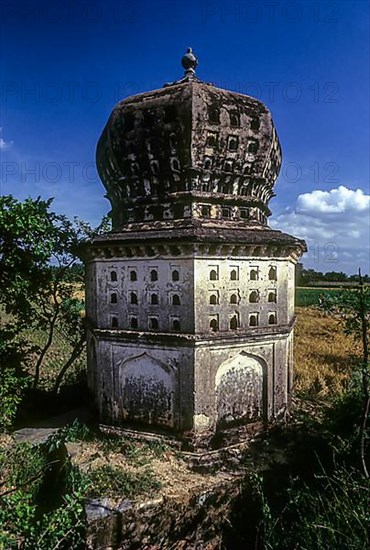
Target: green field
x: 305, y: 296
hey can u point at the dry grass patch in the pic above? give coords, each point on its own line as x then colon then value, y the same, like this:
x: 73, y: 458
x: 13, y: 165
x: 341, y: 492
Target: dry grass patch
x: 323, y: 355
x: 152, y: 471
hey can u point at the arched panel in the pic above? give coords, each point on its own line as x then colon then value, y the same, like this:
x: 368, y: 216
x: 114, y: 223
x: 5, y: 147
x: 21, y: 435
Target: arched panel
x: 240, y: 394
x: 147, y: 390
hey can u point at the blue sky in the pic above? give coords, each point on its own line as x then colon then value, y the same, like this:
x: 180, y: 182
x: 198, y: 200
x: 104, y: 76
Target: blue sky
x: 65, y: 64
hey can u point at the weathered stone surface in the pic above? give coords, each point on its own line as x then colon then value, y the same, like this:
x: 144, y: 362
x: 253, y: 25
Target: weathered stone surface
x: 239, y: 389
x: 103, y: 524
x: 189, y: 150
x: 163, y: 523
x: 34, y: 436
x: 190, y: 299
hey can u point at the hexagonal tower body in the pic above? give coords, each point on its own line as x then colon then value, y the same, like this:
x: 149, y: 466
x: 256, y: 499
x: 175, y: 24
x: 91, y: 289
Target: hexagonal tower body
x: 190, y: 298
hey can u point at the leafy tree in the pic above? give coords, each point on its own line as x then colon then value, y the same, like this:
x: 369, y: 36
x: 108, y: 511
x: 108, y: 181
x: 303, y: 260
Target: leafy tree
x: 299, y: 274
x: 309, y: 276
x: 39, y: 266
x: 13, y: 379
x: 335, y: 276
x: 41, y: 498
x: 353, y: 306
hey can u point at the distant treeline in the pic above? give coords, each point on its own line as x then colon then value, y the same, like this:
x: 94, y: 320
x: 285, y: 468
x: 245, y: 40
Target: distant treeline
x: 77, y: 271
x: 310, y: 277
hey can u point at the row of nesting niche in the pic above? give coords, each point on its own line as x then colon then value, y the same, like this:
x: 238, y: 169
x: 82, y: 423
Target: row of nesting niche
x: 136, y: 154
x: 216, y: 321
x: 131, y: 121
x: 178, y: 210
x: 152, y: 273
x: 257, y: 189
x: 175, y: 298
x: 136, y: 166
x: 230, y: 136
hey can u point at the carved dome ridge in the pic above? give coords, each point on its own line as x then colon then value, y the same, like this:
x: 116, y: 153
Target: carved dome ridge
x: 191, y: 139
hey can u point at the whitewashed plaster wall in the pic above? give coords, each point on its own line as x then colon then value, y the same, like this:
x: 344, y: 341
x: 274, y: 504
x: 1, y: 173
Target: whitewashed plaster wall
x: 240, y: 285
x: 142, y: 382
x: 174, y: 298
x: 190, y: 386
x: 271, y: 352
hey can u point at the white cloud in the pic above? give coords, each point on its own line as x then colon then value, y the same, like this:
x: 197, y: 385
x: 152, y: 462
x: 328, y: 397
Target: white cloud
x: 4, y: 144
x: 335, y: 225
x: 338, y: 200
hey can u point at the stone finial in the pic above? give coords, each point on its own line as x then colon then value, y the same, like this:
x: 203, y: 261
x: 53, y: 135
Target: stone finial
x: 189, y: 62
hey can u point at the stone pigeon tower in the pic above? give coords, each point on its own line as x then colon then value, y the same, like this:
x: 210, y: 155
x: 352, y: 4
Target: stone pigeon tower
x: 190, y: 298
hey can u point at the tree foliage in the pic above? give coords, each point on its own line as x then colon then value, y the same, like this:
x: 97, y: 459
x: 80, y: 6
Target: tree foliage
x: 13, y: 379
x: 41, y: 498
x: 312, y: 277
x: 39, y: 267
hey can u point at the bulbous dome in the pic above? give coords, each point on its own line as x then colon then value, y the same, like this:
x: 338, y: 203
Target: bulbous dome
x: 189, y: 150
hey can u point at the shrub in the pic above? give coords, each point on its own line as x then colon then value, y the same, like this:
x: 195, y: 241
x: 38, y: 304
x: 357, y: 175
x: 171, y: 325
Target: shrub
x: 78, y: 431
x: 27, y: 519
x: 333, y: 515
x: 13, y: 381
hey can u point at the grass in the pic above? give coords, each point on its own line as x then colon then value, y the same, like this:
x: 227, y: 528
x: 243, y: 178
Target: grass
x: 58, y: 353
x: 116, y: 466
x: 139, y: 453
x: 331, y: 514
x: 112, y: 482
x: 323, y: 355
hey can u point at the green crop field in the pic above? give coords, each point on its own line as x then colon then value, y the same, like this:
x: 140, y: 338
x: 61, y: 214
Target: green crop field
x: 305, y: 296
